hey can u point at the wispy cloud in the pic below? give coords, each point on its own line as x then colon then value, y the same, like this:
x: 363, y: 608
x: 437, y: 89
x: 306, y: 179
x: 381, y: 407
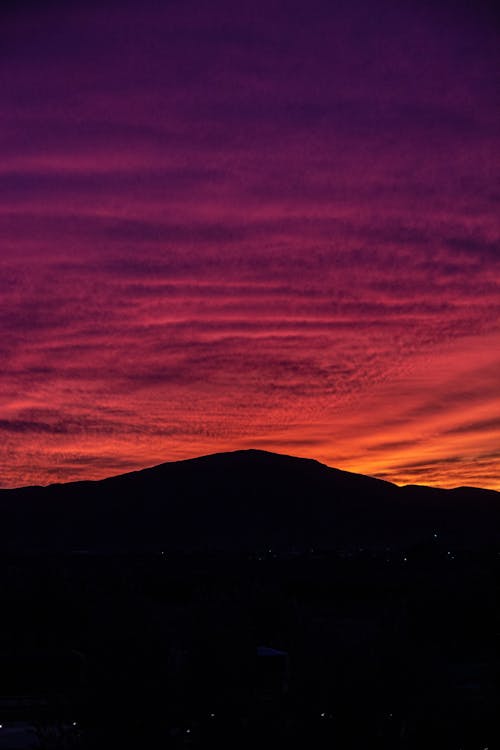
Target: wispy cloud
x: 255, y: 226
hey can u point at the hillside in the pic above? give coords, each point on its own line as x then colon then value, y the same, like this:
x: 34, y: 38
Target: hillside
x: 241, y: 500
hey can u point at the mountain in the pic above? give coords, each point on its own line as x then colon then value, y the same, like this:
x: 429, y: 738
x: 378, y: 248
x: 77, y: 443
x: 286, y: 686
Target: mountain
x: 247, y: 500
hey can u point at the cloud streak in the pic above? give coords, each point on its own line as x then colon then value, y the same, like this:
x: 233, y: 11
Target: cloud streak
x: 264, y: 227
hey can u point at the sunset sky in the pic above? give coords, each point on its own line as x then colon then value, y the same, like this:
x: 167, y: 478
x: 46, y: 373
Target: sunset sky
x: 250, y: 224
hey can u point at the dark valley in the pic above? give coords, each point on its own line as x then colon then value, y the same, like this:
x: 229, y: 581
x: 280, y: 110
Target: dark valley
x: 248, y: 600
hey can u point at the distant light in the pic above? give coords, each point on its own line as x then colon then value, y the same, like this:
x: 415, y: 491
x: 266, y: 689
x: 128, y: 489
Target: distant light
x: 322, y: 714
x: 405, y: 559
x: 435, y: 536
x: 188, y: 731
x: 212, y: 716
x: 1, y: 726
x: 448, y: 553
x: 74, y: 723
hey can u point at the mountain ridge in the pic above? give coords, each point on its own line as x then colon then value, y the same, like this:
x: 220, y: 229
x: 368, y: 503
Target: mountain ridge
x: 241, y: 500
x: 244, y: 451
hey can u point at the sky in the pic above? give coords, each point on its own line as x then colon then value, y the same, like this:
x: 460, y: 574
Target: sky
x: 250, y: 225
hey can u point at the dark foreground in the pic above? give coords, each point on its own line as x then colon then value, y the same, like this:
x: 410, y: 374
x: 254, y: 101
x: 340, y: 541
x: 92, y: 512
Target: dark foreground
x: 352, y: 649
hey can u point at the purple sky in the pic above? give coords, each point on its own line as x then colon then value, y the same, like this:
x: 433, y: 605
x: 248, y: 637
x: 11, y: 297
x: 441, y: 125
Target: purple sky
x: 270, y: 224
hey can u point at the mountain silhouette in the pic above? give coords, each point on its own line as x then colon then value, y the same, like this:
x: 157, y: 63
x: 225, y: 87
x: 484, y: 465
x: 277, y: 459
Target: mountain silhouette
x: 243, y: 500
